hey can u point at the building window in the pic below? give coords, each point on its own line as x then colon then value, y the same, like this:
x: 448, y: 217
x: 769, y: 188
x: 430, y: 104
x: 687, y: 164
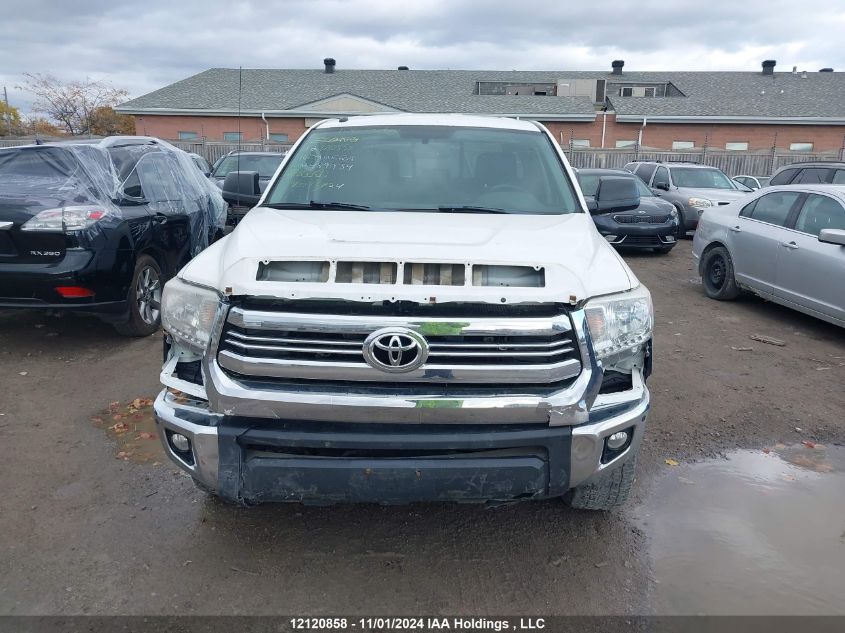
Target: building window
x: 279, y: 138
x: 623, y: 144
x: 648, y: 92
x: 800, y: 147
x: 683, y: 144
x: 187, y: 136
x: 626, y: 92
x: 580, y: 142
x: 737, y: 145
x: 233, y: 136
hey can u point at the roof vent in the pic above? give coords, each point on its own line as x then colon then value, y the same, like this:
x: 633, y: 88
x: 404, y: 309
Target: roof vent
x: 617, y: 66
x: 769, y: 67
x: 402, y: 68
x: 825, y: 70
x: 330, y: 64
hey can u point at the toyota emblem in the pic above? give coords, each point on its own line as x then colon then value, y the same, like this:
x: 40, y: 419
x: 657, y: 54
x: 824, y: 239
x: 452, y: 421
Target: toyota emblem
x: 395, y: 350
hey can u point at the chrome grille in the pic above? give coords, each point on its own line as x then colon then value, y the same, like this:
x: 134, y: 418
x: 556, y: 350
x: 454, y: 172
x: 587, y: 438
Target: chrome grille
x: 319, y: 347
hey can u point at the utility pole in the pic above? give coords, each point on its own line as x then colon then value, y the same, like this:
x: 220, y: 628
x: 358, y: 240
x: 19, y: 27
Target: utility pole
x: 8, y: 113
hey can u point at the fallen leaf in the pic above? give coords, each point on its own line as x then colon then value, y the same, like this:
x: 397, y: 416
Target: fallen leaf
x: 97, y: 420
x: 146, y: 436
x: 114, y: 405
x: 672, y: 462
x: 809, y: 444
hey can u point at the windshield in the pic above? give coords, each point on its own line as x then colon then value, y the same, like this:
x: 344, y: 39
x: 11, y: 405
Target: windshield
x: 697, y: 178
x: 590, y: 184
x: 426, y: 168
x: 264, y: 165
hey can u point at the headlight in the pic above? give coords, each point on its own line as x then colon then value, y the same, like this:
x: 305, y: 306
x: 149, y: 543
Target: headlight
x: 187, y: 313
x: 66, y: 219
x: 620, y: 321
x: 673, y: 213
x: 699, y: 203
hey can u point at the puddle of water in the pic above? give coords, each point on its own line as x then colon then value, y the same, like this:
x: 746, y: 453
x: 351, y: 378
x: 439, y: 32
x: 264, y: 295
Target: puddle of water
x: 762, y: 532
x: 132, y: 426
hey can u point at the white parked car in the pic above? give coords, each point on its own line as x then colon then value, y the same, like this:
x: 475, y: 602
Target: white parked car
x: 419, y: 308
x: 784, y: 243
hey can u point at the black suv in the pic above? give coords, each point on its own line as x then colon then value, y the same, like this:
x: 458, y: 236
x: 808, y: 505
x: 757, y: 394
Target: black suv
x: 262, y: 163
x: 647, y: 222
x: 97, y: 227
x: 810, y: 173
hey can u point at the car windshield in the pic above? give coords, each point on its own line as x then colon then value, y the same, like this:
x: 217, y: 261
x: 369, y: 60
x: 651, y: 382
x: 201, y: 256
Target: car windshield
x: 590, y: 184
x: 697, y: 178
x: 265, y: 165
x: 426, y: 168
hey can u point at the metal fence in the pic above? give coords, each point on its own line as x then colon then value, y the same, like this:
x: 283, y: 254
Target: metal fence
x: 732, y: 163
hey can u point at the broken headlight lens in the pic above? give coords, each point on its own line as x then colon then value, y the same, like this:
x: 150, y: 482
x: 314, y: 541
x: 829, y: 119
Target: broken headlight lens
x: 187, y: 313
x: 620, y: 322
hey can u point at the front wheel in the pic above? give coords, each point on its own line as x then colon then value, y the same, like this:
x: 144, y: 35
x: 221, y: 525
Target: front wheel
x: 718, y: 275
x: 682, y: 225
x: 606, y: 492
x: 144, y: 299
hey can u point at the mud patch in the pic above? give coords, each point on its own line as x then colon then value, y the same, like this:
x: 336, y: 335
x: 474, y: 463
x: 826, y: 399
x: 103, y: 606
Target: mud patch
x: 762, y: 532
x: 132, y: 426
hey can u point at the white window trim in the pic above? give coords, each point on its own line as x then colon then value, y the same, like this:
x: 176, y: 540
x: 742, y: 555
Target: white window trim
x: 793, y: 148
x: 687, y: 145
x: 737, y: 149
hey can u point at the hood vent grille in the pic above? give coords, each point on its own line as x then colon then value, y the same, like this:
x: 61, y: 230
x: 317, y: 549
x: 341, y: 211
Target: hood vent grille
x: 403, y: 273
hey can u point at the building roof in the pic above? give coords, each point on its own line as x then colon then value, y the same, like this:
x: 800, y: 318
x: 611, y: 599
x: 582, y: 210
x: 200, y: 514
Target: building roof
x: 742, y: 96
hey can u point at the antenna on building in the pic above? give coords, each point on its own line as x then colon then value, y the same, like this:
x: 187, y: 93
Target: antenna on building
x: 240, y: 89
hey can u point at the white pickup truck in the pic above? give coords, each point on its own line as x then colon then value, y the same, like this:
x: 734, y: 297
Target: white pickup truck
x: 419, y: 308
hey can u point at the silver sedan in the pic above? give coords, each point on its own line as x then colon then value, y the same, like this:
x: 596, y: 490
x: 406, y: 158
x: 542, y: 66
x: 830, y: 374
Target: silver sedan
x: 786, y: 244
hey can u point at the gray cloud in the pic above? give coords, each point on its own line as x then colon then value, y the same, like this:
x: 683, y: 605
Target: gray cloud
x: 142, y: 46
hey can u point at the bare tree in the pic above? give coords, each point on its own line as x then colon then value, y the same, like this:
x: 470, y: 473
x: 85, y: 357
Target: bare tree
x: 74, y: 104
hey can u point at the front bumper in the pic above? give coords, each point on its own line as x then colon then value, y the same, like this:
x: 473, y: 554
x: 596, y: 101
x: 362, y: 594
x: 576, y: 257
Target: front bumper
x: 638, y: 236
x: 251, y: 460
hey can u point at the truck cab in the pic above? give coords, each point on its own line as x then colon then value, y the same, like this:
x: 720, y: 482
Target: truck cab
x: 419, y: 308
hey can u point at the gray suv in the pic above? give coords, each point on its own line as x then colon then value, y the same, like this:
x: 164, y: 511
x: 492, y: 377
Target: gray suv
x: 691, y: 187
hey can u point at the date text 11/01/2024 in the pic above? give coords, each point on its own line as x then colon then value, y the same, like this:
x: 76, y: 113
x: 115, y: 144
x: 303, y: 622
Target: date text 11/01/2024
x: 417, y: 624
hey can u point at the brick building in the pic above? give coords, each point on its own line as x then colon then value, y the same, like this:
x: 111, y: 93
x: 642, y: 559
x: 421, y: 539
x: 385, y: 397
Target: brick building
x: 792, y: 111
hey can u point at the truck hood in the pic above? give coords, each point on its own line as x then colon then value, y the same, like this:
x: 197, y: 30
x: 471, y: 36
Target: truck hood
x: 578, y: 263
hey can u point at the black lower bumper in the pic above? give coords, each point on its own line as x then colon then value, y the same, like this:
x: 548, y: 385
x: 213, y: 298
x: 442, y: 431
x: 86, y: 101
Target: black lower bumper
x: 324, y: 463
x: 107, y: 274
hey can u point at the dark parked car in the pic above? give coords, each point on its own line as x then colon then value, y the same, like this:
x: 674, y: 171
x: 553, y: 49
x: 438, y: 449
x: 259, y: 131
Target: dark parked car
x: 810, y: 173
x: 98, y: 227
x: 646, y: 222
x: 201, y: 164
x: 262, y: 163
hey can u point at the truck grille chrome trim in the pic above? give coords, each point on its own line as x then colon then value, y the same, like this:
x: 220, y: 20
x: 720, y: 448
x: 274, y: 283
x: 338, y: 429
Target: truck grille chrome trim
x: 562, y: 404
x: 329, y: 348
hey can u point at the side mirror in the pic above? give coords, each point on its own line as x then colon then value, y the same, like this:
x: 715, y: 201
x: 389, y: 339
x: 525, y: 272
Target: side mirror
x: 241, y: 188
x: 661, y: 185
x: 832, y: 236
x: 617, y: 193
x: 592, y: 205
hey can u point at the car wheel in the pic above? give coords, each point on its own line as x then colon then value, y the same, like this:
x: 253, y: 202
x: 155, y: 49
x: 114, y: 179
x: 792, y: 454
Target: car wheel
x: 682, y: 225
x: 607, y: 492
x: 144, y: 299
x: 718, y: 275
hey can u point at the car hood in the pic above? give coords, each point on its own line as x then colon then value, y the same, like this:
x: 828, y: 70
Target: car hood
x: 578, y: 263
x: 716, y: 195
x: 647, y: 205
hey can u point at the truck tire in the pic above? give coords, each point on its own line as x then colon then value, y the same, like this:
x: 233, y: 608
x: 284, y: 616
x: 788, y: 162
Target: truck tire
x: 717, y: 275
x: 144, y: 299
x: 605, y: 493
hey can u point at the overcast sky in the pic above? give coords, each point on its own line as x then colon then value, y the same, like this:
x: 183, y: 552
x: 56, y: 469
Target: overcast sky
x: 144, y: 45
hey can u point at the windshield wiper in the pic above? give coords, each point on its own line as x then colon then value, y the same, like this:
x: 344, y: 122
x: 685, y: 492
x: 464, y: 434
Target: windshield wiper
x: 470, y: 209
x: 315, y: 204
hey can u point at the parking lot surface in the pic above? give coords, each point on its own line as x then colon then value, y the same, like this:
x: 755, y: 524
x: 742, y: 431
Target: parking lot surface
x: 94, y: 519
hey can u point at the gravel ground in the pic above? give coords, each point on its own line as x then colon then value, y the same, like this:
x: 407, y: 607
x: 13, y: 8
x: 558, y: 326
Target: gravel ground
x: 95, y: 521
